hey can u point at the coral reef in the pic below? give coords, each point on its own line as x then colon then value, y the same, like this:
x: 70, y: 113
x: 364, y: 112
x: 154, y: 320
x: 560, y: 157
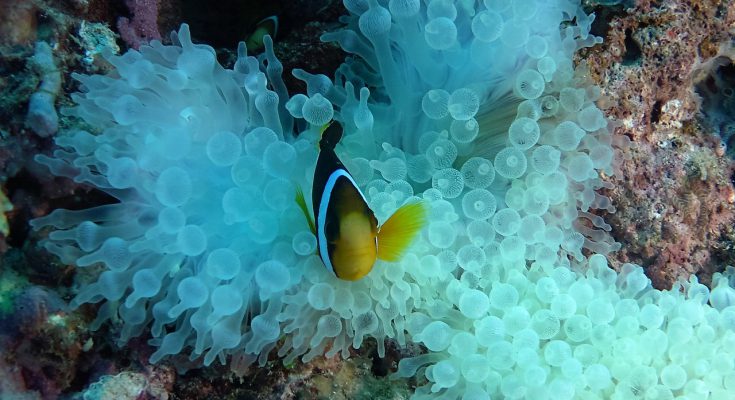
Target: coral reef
x: 715, y: 84
x: 153, y: 384
x: 17, y: 23
x: 12, y: 384
x: 322, y: 378
x: 675, y: 207
x: 42, y: 117
x: 38, y: 338
x: 143, y: 26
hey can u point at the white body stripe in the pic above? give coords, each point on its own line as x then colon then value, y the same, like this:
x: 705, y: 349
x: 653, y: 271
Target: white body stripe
x: 323, y: 205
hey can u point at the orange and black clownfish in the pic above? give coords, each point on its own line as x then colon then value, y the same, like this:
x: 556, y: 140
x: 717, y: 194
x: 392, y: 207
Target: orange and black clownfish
x: 349, y: 239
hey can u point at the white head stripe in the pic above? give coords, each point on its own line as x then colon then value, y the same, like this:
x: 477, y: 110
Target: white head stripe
x: 323, y: 205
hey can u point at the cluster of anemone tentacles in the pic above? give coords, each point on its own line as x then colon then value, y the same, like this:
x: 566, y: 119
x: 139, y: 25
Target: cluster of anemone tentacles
x: 474, y: 108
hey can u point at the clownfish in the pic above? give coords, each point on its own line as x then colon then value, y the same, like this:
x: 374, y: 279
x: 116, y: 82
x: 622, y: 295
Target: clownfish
x: 349, y: 240
x: 266, y: 26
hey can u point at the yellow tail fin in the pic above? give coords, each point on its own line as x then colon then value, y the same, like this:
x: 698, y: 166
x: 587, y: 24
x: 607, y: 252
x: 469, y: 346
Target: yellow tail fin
x: 397, y: 233
x: 301, y: 202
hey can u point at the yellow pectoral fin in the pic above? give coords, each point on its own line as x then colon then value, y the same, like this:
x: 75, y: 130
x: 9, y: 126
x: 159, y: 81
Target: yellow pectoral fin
x: 399, y: 230
x: 301, y: 202
x: 324, y: 128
